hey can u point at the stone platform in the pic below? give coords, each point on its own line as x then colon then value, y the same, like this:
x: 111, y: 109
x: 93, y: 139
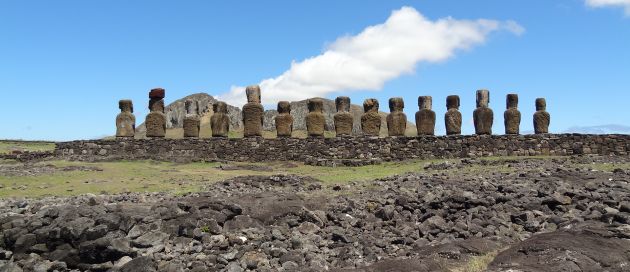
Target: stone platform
x: 346, y: 148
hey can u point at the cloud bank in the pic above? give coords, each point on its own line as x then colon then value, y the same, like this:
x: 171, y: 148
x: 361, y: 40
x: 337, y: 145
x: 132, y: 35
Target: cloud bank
x: 610, y: 3
x: 378, y: 54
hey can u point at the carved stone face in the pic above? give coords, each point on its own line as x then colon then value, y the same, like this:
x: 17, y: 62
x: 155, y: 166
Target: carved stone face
x: 191, y: 107
x: 396, y: 104
x: 253, y: 94
x: 343, y: 103
x: 512, y: 101
x: 156, y: 105
x: 219, y: 107
x: 125, y: 106
x: 284, y: 107
x: 541, y: 104
x: 425, y: 102
x: 315, y: 105
x: 370, y: 105
x: 452, y: 102
x: 483, y: 98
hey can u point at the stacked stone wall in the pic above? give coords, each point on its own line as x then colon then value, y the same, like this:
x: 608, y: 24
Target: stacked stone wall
x: 259, y: 149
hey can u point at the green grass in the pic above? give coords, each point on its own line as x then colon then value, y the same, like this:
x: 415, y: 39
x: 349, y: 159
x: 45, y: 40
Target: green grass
x: 177, y: 178
x: 9, y: 146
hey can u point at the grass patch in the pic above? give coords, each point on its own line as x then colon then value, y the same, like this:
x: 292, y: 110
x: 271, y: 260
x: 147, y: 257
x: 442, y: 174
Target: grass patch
x: 7, y: 147
x: 177, y: 178
x: 478, y: 263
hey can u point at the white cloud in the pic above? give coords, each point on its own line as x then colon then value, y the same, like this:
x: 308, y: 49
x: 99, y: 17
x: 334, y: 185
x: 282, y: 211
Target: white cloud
x: 376, y: 55
x: 610, y: 3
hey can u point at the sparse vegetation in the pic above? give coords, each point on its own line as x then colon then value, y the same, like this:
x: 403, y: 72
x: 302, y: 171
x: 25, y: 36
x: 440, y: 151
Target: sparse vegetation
x: 10, y: 146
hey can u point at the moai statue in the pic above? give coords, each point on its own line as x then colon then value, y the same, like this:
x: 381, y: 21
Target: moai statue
x: 343, y: 118
x: 396, y: 119
x: 220, y: 121
x: 483, y: 115
x: 512, y: 117
x: 453, y: 118
x: 192, y: 122
x: 253, y: 113
x: 315, y: 120
x: 541, y: 117
x: 370, y: 120
x: 284, y: 120
x: 125, y: 121
x: 425, y: 117
x: 156, y: 119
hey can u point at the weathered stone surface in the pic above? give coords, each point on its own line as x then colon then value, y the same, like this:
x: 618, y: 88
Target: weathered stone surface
x: 157, y: 93
x: 343, y: 118
x: 483, y: 115
x: 512, y: 116
x: 284, y: 120
x: 315, y: 120
x: 396, y: 119
x: 365, y: 148
x: 192, y: 122
x: 220, y: 120
x: 370, y: 120
x: 125, y: 121
x: 453, y: 118
x: 253, y: 113
x: 156, y: 120
x: 542, y: 118
x: 425, y: 117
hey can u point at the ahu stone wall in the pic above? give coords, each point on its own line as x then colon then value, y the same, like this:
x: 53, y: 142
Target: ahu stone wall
x: 259, y: 149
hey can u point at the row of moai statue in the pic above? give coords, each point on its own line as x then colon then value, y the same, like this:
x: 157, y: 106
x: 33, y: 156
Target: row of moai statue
x: 253, y: 116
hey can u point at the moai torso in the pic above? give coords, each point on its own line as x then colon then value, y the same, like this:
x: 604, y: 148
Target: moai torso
x: 125, y: 121
x: 284, y: 120
x: 425, y: 117
x: 396, y: 119
x: 343, y: 118
x: 192, y: 123
x: 253, y: 113
x: 453, y: 118
x: 220, y: 120
x: 512, y: 117
x: 542, y: 118
x: 483, y: 115
x: 156, y: 120
x: 371, y: 120
x: 315, y: 121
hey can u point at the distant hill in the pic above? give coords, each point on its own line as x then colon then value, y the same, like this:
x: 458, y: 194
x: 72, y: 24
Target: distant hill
x: 601, y: 129
x: 175, y: 113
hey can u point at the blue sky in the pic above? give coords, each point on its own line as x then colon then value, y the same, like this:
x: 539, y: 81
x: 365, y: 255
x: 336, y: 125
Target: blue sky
x: 65, y: 64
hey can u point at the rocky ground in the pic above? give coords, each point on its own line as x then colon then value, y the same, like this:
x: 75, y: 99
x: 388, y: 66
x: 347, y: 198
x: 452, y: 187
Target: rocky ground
x: 522, y: 215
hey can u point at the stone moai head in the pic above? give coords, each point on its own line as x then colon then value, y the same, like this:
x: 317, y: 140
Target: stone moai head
x: 253, y: 94
x: 343, y: 104
x: 396, y: 104
x: 370, y: 105
x: 315, y: 105
x: 191, y: 107
x: 156, y: 102
x: 541, y: 104
x: 512, y: 101
x: 220, y: 107
x: 284, y: 107
x: 425, y: 102
x: 125, y: 106
x: 483, y: 98
x: 452, y: 102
